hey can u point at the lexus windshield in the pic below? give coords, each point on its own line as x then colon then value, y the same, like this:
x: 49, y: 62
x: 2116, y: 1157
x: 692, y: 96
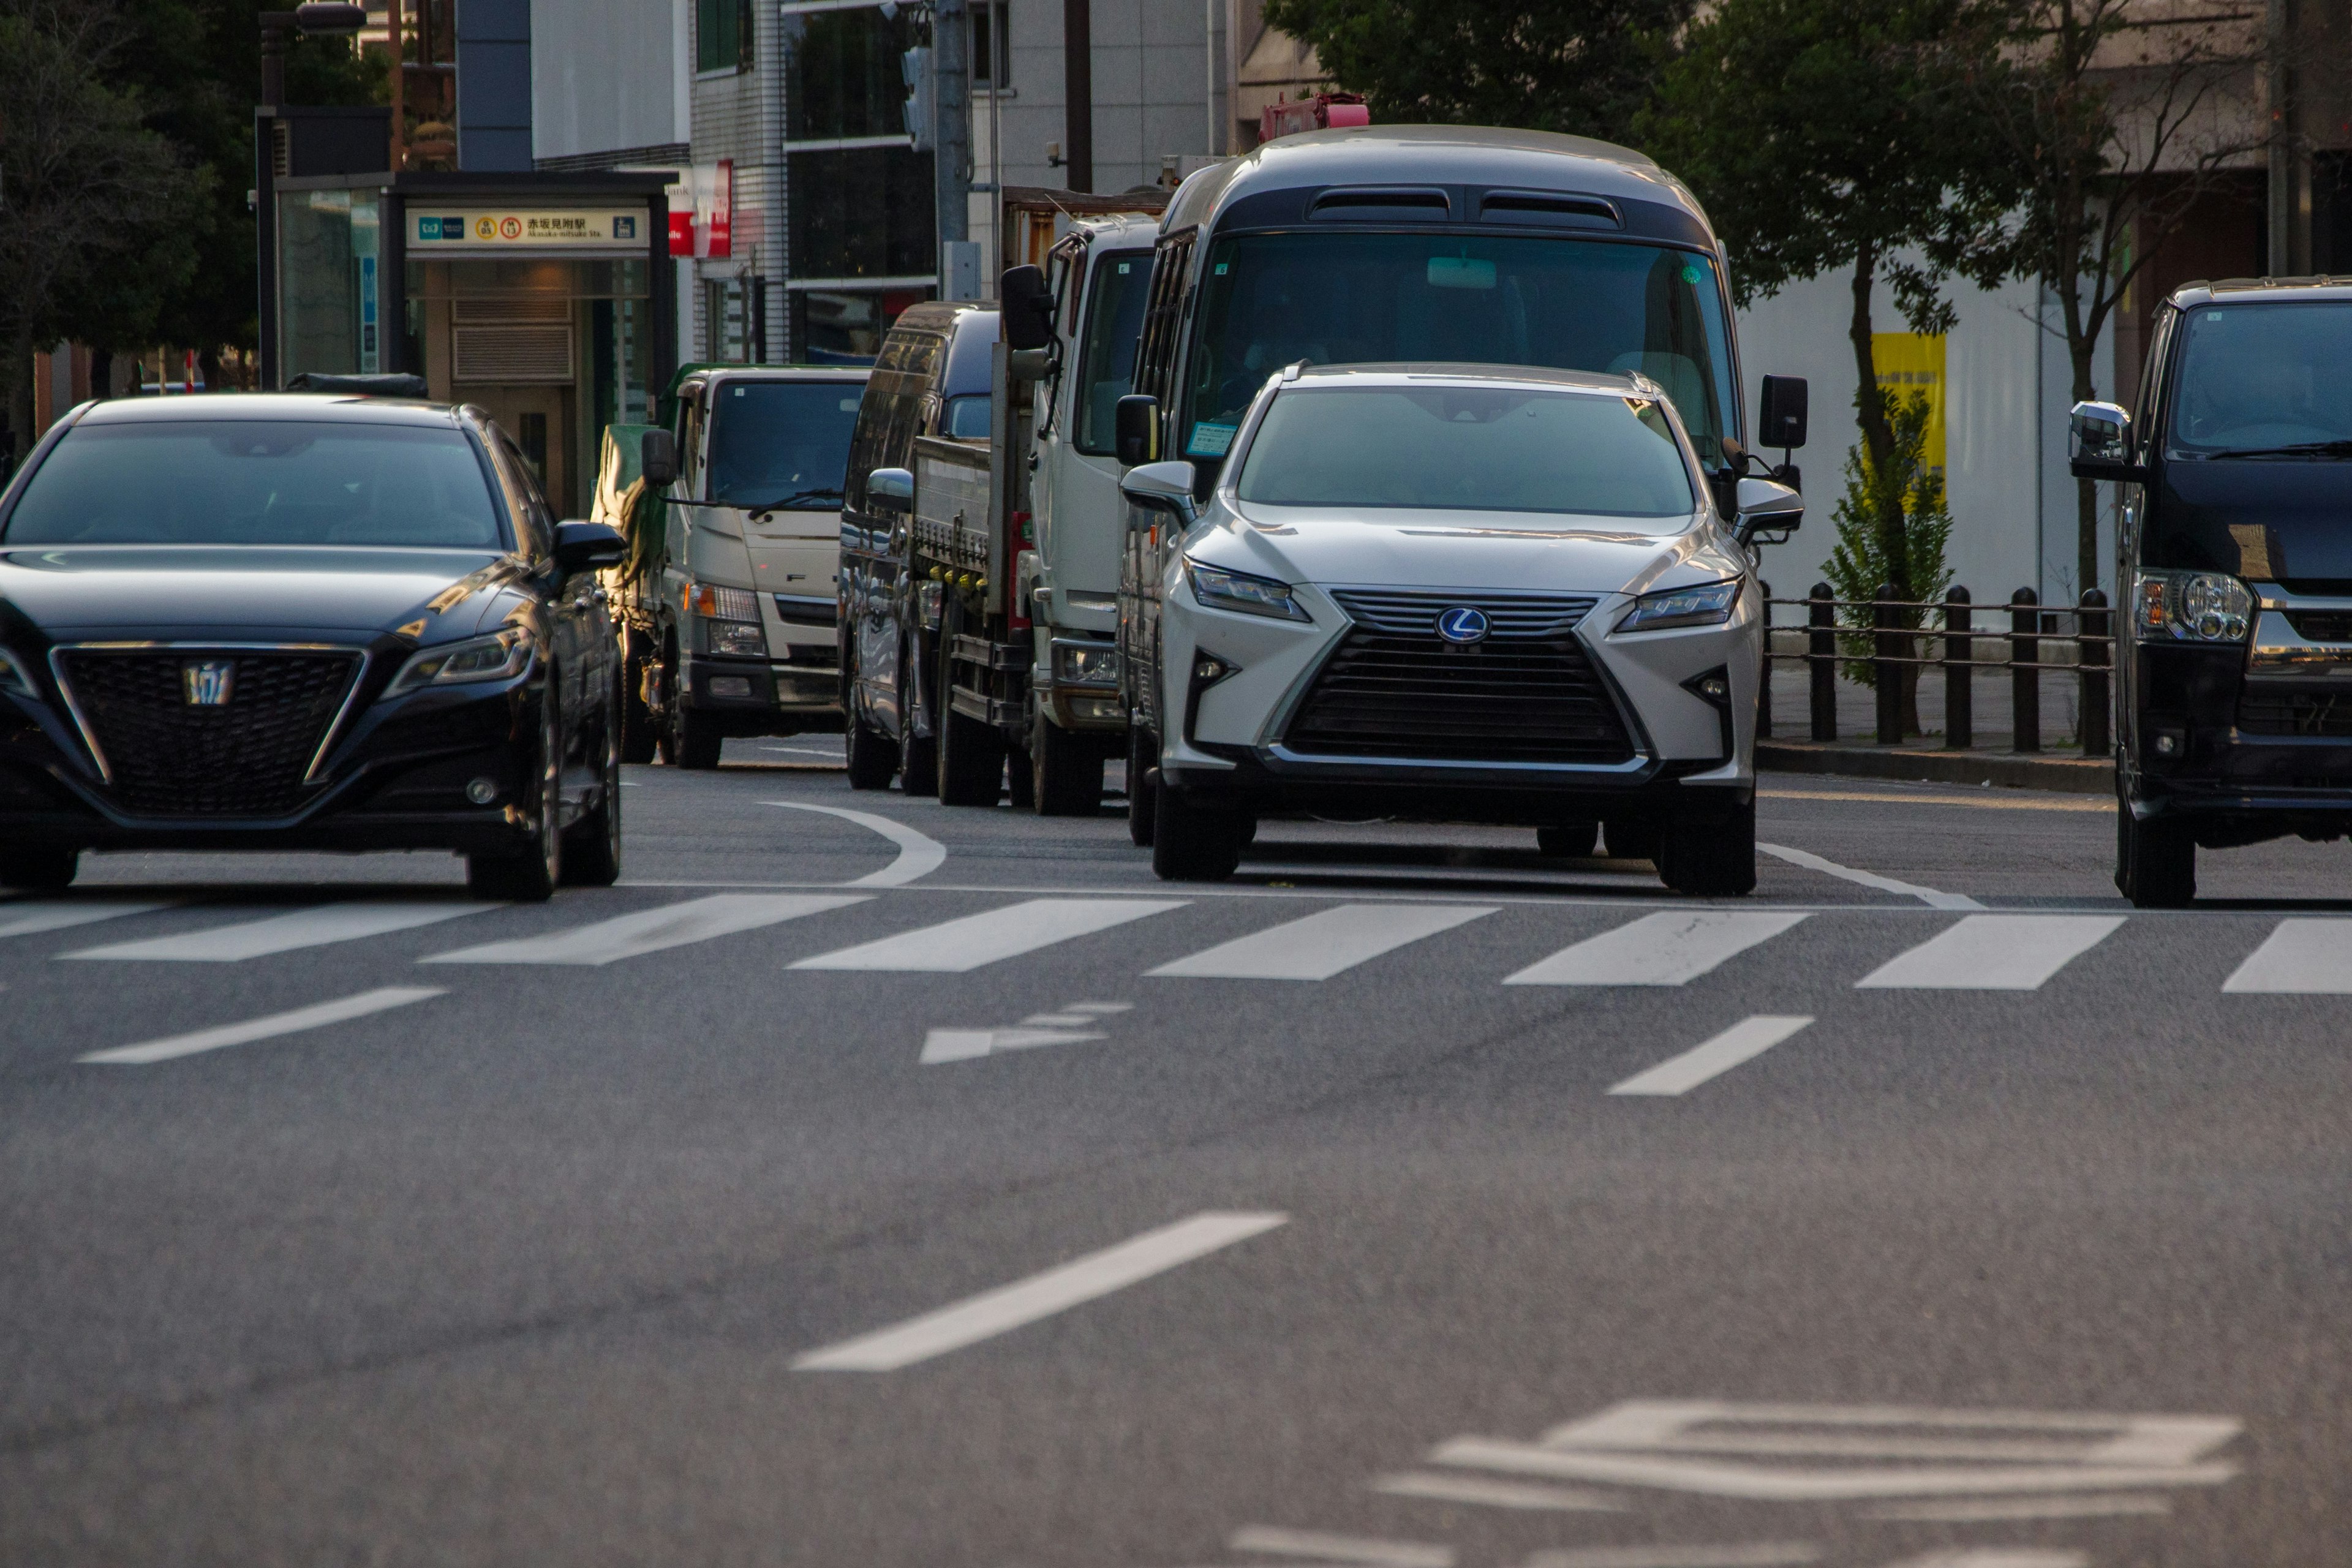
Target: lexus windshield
x: 2265, y: 381
x: 1271, y: 299
x: 255, y: 482
x: 1469, y: 448
x: 785, y: 441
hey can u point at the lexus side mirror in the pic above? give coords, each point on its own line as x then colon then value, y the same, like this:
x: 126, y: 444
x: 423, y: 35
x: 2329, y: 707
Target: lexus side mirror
x: 1766, y: 506
x: 657, y: 458
x: 894, y: 485
x: 1027, y: 306
x: 2098, y: 442
x: 585, y: 546
x: 1781, y: 416
x: 1136, y: 430
x: 1162, y: 486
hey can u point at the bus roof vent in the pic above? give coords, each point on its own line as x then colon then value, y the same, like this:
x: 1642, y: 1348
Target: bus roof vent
x: 1551, y: 209
x: 1382, y: 203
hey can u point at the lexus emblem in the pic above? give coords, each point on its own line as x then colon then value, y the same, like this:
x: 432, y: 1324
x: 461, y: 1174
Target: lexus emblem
x: 1463, y: 624
x: 208, y: 682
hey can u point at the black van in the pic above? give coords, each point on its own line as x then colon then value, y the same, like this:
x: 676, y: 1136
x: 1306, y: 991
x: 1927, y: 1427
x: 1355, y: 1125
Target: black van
x: 931, y: 378
x: 2235, y: 556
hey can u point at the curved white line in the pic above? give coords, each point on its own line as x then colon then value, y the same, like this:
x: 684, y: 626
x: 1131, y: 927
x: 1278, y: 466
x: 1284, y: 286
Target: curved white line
x: 1927, y: 896
x: 918, y: 856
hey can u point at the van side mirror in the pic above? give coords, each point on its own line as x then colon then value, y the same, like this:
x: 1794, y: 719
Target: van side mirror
x: 894, y: 485
x: 1136, y: 430
x: 1162, y: 486
x: 2098, y: 443
x: 1780, y: 417
x: 1027, y: 306
x: 1766, y: 506
x: 657, y: 458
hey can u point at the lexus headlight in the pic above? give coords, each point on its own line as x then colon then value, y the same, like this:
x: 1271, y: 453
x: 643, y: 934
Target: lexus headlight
x: 1708, y: 605
x: 2193, y: 607
x: 15, y: 678
x: 497, y: 657
x: 1222, y: 590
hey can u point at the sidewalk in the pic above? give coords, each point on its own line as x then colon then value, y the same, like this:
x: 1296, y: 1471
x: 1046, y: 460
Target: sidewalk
x: 1856, y: 754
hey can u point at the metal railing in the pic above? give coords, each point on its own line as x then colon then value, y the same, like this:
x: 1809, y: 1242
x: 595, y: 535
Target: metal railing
x: 1889, y: 632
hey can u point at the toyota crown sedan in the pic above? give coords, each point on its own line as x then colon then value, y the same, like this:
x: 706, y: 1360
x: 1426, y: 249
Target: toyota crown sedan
x: 302, y: 622
x: 1454, y: 594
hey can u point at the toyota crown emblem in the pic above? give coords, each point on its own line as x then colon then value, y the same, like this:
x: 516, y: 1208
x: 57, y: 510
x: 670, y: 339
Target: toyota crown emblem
x: 208, y: 682
x: 1463, y: 624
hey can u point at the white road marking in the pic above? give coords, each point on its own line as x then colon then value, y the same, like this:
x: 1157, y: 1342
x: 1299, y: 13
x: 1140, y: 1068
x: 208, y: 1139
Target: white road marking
x: 918, y: 856
x: 1009, y: 1307
x: 26, y: 919
x: 1744, y: 1041
x: 1100, y: 1007
x: 1322, y: 944
x: 653, y: 930
x: 964, y: 1044
x: 957, y: 946
x: 1495, y: 1494
x: 1993, y: 952
x: 1973, y: 1510
x: 1997, y: 1557
x: 297, y: 929
x: 1812, y: 862
x: 1271, y: 1541
x: 276, y: 1024
x: 1751, y: 1554
x: 1667, y: 949
x: 2301, y: 957
x: 1057, y: 1020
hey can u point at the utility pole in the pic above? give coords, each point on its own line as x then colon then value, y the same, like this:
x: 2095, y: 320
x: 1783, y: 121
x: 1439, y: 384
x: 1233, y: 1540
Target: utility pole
x: 2289, y: 194
x: 1078, y: 93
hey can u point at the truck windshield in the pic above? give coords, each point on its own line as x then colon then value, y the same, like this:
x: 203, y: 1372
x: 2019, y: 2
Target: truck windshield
x: 1469, y: 448
x: 2265, y: 381
x: 1356, y: 298
x: 1107, y: 353
x: 781, y: 442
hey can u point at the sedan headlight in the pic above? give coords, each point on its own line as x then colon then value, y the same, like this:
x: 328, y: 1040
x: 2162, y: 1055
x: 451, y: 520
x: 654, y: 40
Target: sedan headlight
x: 1222, y: 590
x: 501, y: 655
x: 2193, y: 607
x: 15, y: 678
x: 1708, y: 605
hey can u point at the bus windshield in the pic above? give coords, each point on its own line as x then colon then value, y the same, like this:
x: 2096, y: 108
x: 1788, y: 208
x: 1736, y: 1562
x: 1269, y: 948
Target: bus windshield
x: 1269, y: 299
x: 782, y: 441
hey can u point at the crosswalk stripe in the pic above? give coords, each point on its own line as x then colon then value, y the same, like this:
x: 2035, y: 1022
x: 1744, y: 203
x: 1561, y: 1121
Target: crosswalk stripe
x: 653, y: 930
x: 1669, y: 949
x: 1324, y: 943
x: 2301, y: 957
x: 1744, y: 1041
x: 312, y: 1017
x: 956, y: 946
x: 34, y: 916
x: 1993, y: 952
x: 286, y: 933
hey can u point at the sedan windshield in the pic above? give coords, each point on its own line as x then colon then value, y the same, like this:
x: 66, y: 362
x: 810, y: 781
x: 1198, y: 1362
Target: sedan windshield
x: 785, y: 441
x: 249, y: 483
x: 1368, y: 299
x: 2265, y: 380
x: 1469, y: 448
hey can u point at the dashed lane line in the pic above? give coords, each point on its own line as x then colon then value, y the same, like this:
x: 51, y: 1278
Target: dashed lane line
x: 1813, y: 862
x: 1743, y: 1042
x: 918, y: 856
x: 315, y: 1016
x: 318, y: 926
x: 1666, y: 949
x: 32, y: 917
x: 958, y: 946
x: 1322, y: 944
x: 653, y: 931
x: 1273, y: 1541
x: 1523, y: 1495
x: 2301, y: 957
x: 1745, y: 1554
x: 1993, y: 952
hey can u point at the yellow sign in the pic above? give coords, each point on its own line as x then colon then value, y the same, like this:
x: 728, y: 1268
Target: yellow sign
x: 1912, y: 363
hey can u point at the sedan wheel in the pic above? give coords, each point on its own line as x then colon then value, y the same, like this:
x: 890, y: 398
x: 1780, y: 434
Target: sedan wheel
x: 592, y: 850
x: 530, y: 877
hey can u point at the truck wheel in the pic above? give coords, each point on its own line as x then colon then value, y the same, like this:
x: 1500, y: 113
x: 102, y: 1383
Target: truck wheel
x: 1020, y: 779
x: 37, y: 867
x: 1711, y: 860
x: 694, y: 738
x: 1065, y: 770
x: 1568, y: 840
x: 1630, y: 837
x: 873, y: 756
x: 1194, y: 842
x: 2155, y: 862
x: 637, y: 715
x: 1143, y: 815
x: 919, y: 755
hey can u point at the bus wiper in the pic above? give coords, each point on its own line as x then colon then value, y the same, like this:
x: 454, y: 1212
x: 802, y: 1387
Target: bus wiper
x: 2341, y: 449
x: 821, y: 493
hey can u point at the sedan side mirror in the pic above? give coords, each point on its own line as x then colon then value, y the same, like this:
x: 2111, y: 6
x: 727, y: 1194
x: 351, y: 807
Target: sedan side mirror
x: 1766, y: 506
x: 585, y: 546
x: 1162, y: 486
x: 2098, y: 443
x: 1780, y: 419
x: 895, y: 486
x: 1136, y: 430
x: 657, y: 458
x: 1027, y: 306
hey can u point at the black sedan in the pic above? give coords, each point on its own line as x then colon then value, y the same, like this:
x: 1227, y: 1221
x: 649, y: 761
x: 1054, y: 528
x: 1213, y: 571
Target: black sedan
x: 302, y: 622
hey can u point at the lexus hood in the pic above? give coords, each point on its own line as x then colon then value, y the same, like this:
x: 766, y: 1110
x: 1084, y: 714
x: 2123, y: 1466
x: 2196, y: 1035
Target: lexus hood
x: 1461, y: 550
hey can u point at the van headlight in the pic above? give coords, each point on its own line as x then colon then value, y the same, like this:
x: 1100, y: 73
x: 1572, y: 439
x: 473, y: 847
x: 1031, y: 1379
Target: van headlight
x: 503, y: 654
x: 1222, y: 590
x: 2193, y: 607
x: 1708, y: 605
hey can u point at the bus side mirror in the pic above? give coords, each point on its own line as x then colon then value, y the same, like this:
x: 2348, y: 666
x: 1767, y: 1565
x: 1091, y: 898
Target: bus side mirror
x: 1780, y: 421
x: 1027, y: 306
x: 657, y: 458
x: 1136, y: 430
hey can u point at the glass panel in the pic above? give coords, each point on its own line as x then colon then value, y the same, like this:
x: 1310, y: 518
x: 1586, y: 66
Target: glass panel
x: 867, y: 213
x: 1107, y: 357
x: 722, y: 31
x: 844, y: 75
x: 328, y: 287
x: 782, y: 441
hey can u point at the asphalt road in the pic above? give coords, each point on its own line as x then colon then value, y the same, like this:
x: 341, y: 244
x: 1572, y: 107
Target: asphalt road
x: 1945, y: 1211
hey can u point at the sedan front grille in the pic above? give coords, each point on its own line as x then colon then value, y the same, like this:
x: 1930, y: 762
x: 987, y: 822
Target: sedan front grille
x: 171, y: 756
x: 2323, y: 713
x: 1395, y: 690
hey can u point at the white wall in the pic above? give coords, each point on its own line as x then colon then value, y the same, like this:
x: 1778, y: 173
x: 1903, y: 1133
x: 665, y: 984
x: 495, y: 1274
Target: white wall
x: 1152, y: 92
x: 602, y: 76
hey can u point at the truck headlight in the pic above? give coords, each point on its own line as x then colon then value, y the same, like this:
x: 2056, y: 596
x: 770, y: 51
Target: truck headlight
x: 501, y: 655
x: 743, y: 638
x: 1222, y: 590
x: 718, y: 604
x: 1082, y: 664
x: 1708, y: 605
x: 2193, y: 607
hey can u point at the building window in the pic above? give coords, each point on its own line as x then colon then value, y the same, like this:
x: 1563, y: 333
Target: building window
x: 736, y: 319
x: 722, y: 35
x: 991, y: 44
x: 864, y: 213
x: 830, y: 328
x: 844, y: 73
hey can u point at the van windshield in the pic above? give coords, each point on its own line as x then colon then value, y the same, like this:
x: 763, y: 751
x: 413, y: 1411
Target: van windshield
x: 1358, y: 299
x: 782, y: 441
x: 2265, y: 381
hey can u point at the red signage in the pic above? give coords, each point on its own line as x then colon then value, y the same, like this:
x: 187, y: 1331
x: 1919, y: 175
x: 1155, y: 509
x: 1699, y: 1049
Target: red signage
x: 702, y: 211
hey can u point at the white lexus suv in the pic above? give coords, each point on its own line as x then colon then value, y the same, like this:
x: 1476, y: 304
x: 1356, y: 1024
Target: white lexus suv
x: 1453, y: 593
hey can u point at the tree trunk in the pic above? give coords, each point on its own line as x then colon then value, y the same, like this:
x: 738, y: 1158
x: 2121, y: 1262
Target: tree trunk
x: 2086, y: 491
x: 1869, y: 403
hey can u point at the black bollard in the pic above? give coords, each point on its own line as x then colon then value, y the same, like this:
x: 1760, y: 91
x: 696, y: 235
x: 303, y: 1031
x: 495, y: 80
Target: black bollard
x: 1959, y: 665
x: 1820, y: 657
x: 2024, y: 680
x: 2091, y: 660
